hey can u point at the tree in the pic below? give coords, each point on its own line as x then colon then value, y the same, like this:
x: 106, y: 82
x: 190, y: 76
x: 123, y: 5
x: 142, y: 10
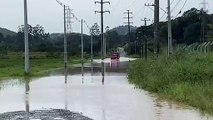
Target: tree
x: 192, y: 33
x: 95, y: 29
x: 210, y: 33
x: 1, y: 37
x: 3, y: 47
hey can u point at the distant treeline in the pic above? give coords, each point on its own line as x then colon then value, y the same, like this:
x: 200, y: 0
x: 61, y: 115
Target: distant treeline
x: 39, y: 41
x: 185, y: 30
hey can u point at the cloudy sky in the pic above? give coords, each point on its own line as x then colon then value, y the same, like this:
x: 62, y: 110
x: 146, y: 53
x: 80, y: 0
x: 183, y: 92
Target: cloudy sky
x: 49, y: 13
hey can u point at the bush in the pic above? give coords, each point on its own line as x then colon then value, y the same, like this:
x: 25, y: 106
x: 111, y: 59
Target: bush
x: 184, y: 77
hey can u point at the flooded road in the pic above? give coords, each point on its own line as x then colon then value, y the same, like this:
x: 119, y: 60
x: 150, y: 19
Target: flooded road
x: 101, y: 92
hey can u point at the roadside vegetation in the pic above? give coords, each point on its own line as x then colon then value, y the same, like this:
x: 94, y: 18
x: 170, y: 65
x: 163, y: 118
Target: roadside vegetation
x: 185, y: 78
x: 13, y: 65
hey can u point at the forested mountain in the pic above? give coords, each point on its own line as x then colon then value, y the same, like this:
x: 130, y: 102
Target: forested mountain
x: 123, y: 30
x: 6, y: 32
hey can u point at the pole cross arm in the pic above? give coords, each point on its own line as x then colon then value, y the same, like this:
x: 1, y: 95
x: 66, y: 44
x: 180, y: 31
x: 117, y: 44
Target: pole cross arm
x: 127, y: 17
x: 98, y: 2
x: 107, y: 11
x: 106, y: 2
x: 149, y: 4
x: 98, y: 12
x: 145, y: 19
x: 128, y: 22
x: 102, y: 12
x: 128, y: 12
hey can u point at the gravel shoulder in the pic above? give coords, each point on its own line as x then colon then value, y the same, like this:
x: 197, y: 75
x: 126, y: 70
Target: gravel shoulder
x: 54, y: 114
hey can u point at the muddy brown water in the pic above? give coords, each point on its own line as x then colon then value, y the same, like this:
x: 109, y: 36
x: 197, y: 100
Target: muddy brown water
x: 101, y: 93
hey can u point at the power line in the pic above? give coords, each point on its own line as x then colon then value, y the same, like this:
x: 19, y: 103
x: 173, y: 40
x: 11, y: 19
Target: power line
x: 176, y: 5
x: 172, y: 2
x: 116, y: 5
x: 131, y: 4
x: 181, y: 8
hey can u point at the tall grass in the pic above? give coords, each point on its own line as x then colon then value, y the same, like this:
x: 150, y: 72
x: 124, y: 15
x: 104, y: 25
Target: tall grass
x: 184, y: 78
x: 14, y: 67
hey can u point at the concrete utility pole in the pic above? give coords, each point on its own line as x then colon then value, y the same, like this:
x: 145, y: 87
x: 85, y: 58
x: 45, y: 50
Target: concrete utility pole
x: 128, y: 23
x: 145, y: 39
x: 65, y: 38
x: 82, y: 42
x: 169, y: 30
x: 91, y: 33
x: 203, y: 20
x: 156, y: 26
x: 105, y: 42
x: 26, y: 37
x: 102, y: 24
x: 67, y: 28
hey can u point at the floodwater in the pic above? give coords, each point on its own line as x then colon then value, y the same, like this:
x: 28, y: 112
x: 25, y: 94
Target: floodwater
x: 101, y: 92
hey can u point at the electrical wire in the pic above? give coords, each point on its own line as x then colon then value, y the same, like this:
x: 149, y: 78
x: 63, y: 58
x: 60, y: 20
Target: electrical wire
x: 172, y: 2
x: 181, y: 8
x: 132, y: 3
x: 85, y: 22
x: 176, y: 5
x: 116, y: 5
x: 140, y: 10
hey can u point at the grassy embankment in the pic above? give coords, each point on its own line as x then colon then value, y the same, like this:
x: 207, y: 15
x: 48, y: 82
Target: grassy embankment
x: 14, y: 66
x: 184, y: 78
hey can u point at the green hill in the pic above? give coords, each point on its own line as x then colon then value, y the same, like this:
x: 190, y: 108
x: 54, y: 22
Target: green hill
x: 123, y: 30
x: 6, y: 32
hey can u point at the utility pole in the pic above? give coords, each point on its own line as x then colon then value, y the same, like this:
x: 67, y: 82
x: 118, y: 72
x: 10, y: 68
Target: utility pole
x: 156, y: 26
x: 102, y: 24
x: 26, y: 37
x: 65, y: 38
x: 91, y: 33
x: 67, y: 28
x: 105, y: 41
x: 82, y: 44
x: 203, y: 20
x: 169, y: 30
x: 145, y: 39
x: 145, y: 21
x: 128, y: 13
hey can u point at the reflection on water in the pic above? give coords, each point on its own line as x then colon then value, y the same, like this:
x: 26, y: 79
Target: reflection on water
x: 100, y: 91
x: 103, y: 72
x: 65, y: 91
x: 27, y: 90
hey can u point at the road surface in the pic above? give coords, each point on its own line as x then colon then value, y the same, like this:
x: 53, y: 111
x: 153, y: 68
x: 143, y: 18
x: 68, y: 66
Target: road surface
x: 101, y: 93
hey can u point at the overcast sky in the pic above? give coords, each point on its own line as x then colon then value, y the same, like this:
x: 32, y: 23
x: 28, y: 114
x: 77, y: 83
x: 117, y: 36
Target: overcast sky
x: 49, y: 13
